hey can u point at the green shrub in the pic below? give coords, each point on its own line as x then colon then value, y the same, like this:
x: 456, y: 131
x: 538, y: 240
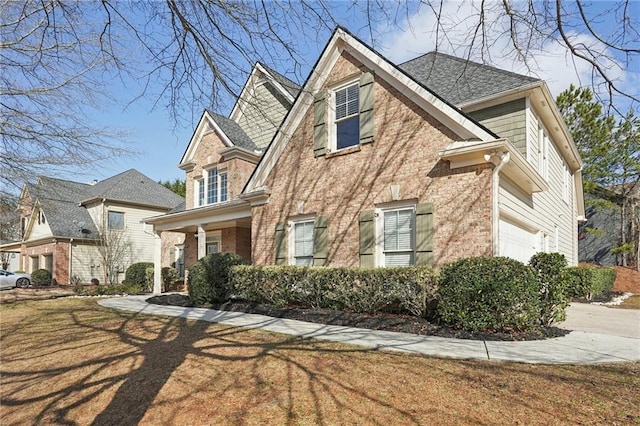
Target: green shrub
x: 148, y: 279
x: 108, y: 290
x: 208, y: 280
x: 553, y: 284
x: 169, y: 276
x: 137, y: 273
x: 400, y: 290
x: 41, y: 277
x: 488, y: 294
x: 589, y: 281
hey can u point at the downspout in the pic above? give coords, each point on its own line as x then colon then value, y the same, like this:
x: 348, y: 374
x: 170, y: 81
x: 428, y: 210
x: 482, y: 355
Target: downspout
x: 499, y: 160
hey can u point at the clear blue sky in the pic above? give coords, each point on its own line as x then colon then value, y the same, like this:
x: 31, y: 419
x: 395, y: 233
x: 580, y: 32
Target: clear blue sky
x: 161, y: 143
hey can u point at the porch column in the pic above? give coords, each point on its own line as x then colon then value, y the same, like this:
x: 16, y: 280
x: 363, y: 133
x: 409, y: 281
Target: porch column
x: 157, y: 263
x: 202, y: 242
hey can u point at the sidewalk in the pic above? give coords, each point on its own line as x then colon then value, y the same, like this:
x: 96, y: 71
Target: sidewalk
x: 578, y: 347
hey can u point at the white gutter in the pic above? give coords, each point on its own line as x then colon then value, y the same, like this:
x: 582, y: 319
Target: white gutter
x: 495, y: 190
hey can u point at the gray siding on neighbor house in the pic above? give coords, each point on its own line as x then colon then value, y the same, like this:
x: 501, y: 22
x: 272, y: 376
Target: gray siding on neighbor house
x: 507, y: 120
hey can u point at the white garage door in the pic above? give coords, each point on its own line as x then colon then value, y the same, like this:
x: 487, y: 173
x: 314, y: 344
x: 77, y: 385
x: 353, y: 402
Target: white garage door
x: 516, y: 242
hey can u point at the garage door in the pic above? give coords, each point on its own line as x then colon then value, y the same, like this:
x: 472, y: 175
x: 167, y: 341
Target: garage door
x: 516, y: 242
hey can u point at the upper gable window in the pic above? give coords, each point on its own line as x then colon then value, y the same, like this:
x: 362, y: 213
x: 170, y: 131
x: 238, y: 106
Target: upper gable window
x: 199, y: 183
x: 216, y: 186
x: 115, y: 221
x: 347, y: 118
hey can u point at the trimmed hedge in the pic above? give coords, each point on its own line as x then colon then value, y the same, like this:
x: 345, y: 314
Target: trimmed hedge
x: 399, y: 290
x: 208, y: 280
x: 41, y: 277
x: 589, y: 281
x: 489, y: 294
x: 137, y: 273
x: 111, y: 289
x: 553, y: 283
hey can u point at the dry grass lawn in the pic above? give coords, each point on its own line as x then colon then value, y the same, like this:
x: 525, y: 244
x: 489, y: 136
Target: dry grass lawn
x: 72, y: 362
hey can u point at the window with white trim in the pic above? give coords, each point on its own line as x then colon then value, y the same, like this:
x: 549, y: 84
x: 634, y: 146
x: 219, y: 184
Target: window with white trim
x: 301, y: 242
x: 345, y: 116
x: 213, y: 244
x: 199, y: 192
x: 398, y: 237
x: 216, y: 186
x: 115, y: 221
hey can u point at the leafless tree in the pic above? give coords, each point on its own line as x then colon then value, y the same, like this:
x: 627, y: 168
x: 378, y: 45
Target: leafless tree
x: 55, y: 55
x: 53, y: 61
x: 116, y: 250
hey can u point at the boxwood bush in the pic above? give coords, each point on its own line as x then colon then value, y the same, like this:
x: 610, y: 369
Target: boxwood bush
x: 589, y: 281
x: 41, y: 277
x: 398, y: 290
x: 553, y: 284
x: 489, y: 294
x: 208, y: 280
x: 137, y: 273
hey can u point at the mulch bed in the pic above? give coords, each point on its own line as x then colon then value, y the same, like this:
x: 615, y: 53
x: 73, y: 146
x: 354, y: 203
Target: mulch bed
x: 380, y: 321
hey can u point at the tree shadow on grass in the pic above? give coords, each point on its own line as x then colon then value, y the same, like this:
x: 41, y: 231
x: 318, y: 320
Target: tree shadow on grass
x: 127, y: 382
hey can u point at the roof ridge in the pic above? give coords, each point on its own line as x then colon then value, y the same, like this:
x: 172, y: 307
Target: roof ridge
x: 472, y: 62
x: 277, y: 73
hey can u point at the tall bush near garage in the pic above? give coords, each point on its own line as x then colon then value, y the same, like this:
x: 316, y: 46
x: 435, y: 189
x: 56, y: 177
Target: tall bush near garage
x: 208, y: 280
x: 489, y: 294
x: 553, y: 285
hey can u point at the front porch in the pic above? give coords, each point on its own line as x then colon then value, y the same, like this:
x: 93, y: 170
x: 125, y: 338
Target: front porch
x: 224, y: 227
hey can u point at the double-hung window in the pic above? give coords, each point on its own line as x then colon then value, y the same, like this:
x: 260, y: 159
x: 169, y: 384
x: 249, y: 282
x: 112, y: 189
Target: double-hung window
x: 216, y: 186
x: 347, y: 118
x: 302, y: 235
x: 399, y: 237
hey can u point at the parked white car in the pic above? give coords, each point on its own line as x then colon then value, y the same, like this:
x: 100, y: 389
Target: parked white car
x: 11, y: 280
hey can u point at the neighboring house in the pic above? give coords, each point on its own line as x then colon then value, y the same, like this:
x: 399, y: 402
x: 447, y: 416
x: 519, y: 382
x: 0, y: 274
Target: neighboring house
x: 601, y: 233
x: 378, y: 165
x: 81, y: 231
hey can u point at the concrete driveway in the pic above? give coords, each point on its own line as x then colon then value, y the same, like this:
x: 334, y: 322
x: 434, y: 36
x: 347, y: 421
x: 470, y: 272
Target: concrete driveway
x: 602, y: 320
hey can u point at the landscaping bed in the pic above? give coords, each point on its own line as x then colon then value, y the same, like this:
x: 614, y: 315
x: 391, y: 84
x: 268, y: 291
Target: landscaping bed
x: 381, y: 321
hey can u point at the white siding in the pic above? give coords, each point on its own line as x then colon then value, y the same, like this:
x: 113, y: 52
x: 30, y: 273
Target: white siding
x: 85, y: 263
x: 547, y: 210
x: 39, y: 230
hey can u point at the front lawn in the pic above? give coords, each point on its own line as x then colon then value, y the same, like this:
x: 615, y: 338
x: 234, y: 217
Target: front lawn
x: 71, y: 361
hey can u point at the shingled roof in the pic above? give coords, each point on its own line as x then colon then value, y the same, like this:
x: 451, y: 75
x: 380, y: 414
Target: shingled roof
x: 291, y: 86
x: 461, y: 81
x: 60, y: 200
x: 234, y: 132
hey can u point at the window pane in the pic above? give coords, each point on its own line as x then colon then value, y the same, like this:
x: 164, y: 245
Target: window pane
x: 304, y: 261
x: 212, y: 193
x: 223, y: 187
x: 116, y: 220
x: 200, y: 183
x: 398, y: 259
x: 303, y: 235
x: 347, y: 101
x: 348, y: 132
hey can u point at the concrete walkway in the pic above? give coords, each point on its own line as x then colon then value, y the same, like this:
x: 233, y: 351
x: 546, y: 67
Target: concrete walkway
x: 578, y: 347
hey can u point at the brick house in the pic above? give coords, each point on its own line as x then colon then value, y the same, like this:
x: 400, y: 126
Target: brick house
x: 422, y: 163
x: 64, y: 226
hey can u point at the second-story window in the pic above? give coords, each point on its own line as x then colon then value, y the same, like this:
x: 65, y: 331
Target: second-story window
x: 216, y: 186
x: 116, y: 221
x: 200, y: 187
x: 347, y: 119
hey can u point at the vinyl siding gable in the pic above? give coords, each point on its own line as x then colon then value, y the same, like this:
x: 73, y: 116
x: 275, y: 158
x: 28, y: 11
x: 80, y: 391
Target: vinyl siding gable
x: 507, y: 120
x: 263, y: 114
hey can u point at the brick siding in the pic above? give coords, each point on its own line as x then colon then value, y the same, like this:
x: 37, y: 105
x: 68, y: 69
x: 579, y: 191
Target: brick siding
x: 339, y: 185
